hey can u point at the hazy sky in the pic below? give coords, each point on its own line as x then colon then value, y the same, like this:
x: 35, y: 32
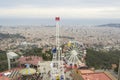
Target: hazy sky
x: 66, y: 9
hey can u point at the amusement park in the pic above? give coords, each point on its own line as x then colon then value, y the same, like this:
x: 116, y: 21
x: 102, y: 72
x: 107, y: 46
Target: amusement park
x: 68, y: 63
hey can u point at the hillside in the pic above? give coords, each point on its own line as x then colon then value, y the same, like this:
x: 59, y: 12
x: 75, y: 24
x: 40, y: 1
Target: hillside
x: 110, y: 25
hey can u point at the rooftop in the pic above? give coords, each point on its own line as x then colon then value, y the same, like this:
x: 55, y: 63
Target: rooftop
x: 86, y: 71
x: 30, y: 60
x: 4, y: 78
x: 95, y: 76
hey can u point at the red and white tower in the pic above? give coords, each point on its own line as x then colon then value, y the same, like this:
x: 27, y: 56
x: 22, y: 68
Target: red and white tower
x: 57, y: 63
x: 57, y: 19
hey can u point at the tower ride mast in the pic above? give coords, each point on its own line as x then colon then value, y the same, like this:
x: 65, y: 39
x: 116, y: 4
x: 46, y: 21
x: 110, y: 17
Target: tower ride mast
x: 57, y: 62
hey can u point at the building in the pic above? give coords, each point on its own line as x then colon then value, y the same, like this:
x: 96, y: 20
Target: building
x: 91, y: 75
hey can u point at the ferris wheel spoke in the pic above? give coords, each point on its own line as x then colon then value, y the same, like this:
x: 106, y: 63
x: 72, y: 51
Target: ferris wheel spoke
x: 80, y: 53
x: 79, y: 56
x: 67, y: 57
x: 74, y: 60
x: 78, y: 60
x: 68, y: 54
x: 71, y: 58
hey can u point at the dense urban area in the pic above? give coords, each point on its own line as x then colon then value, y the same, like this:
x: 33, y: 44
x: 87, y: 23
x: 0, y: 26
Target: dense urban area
x: 102, y: 43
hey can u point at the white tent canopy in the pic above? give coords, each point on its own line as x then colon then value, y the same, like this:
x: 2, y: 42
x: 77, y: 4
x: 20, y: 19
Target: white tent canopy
x: 11, y: 55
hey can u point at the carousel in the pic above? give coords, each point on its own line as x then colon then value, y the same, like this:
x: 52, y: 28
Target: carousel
x: 27, y: 73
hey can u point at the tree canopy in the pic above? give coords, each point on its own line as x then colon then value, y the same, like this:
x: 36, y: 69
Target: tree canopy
x: 101, y: 59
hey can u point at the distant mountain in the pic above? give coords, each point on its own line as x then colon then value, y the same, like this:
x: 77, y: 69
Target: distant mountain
x: 50, y: 26
x: 110, y: 25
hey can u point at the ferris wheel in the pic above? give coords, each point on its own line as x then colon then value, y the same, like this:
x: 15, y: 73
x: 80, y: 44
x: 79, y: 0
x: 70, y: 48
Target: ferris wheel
x: 75, y: 53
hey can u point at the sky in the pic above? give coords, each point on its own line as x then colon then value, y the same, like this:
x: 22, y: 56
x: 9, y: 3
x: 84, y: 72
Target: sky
x: 70, y: 11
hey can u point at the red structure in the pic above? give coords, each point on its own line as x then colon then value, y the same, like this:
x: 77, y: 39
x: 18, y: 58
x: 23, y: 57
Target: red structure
x: 57, y: 18
x: 4, y: 78
x: 33, y: 60
x: 96, y: 76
